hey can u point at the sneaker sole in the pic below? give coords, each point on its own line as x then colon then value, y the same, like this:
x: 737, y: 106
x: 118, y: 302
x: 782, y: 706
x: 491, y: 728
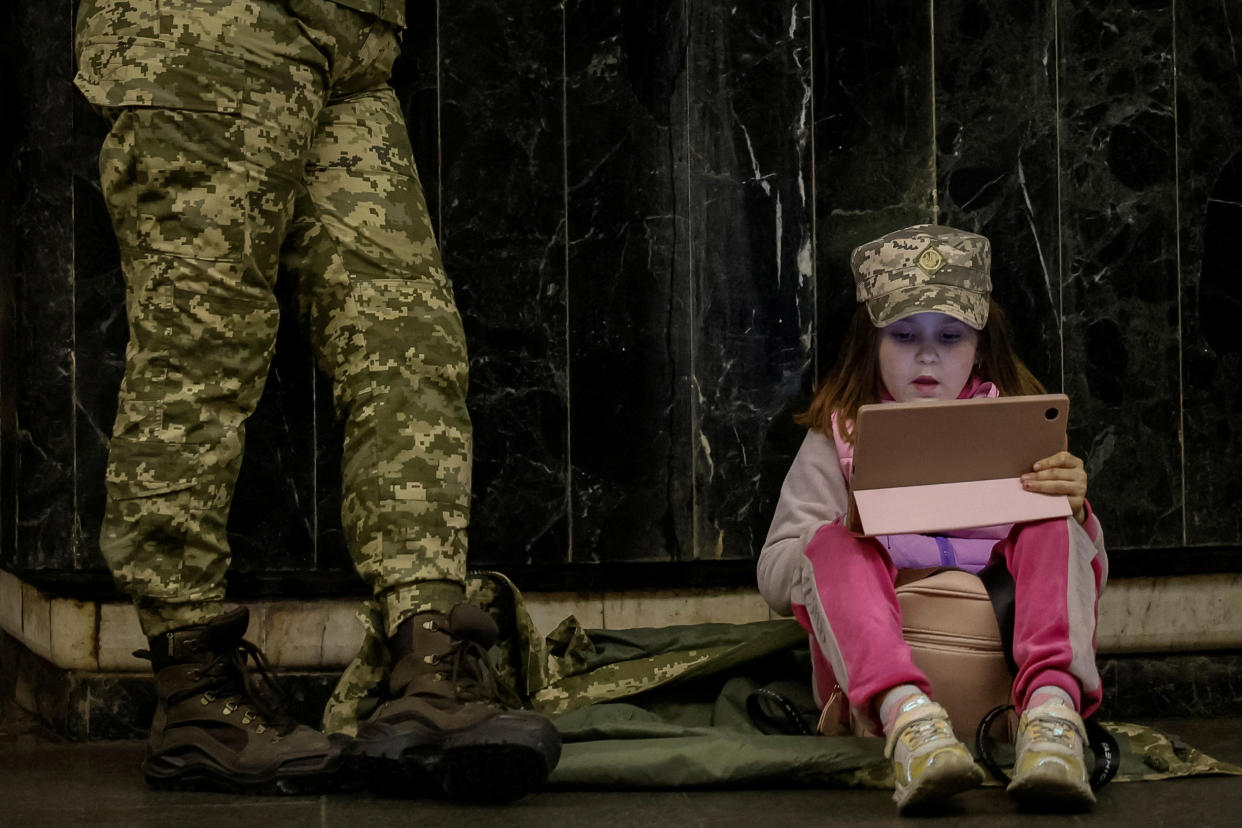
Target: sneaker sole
x: 950, y: 779
x: 499, y: 765
x: 1052, y: 792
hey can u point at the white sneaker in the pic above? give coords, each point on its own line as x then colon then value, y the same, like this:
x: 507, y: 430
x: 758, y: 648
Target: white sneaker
x: 929, y: 763
x: 1050, y: 771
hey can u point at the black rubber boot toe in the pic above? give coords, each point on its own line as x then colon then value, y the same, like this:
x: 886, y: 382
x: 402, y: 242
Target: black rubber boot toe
x: 443, y: 732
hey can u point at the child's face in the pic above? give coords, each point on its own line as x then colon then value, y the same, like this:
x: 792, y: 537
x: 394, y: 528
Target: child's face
x: 927, y: 356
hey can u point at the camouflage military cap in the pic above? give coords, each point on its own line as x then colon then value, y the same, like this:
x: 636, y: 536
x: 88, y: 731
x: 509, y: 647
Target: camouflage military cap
x: 924, y: 268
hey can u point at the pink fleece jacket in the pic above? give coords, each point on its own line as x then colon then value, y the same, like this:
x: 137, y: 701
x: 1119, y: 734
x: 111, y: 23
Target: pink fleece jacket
x: 816, y: 493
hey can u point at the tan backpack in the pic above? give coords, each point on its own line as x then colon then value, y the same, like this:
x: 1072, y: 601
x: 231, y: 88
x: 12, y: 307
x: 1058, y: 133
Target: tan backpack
x: 949, y: 623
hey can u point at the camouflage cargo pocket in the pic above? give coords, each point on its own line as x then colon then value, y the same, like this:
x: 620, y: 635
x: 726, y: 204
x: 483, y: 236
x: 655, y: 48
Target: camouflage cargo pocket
x: 221, y: 346
x: 196, y: 360
x: 176, y: 159
x: 175, y: 479
x: 116, y: 72
x: 143, y: 470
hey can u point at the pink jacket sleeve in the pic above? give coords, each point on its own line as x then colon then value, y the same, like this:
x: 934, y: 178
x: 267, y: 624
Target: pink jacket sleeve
x: 814, y: 494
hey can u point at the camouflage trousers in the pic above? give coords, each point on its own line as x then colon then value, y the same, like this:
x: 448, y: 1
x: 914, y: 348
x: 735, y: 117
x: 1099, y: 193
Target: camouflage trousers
x: 250, y: 137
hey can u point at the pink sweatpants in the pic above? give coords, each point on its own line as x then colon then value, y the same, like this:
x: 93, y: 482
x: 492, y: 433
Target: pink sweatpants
x: 855, y: 621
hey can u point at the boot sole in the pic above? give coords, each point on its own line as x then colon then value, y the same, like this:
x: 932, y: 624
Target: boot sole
x: 202, y: 774
x: 494, y: 773
x: 497, y: 765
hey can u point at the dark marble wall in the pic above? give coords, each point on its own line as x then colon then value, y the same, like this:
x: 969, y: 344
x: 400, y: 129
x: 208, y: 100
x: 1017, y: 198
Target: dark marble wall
x: 646, y: 210
x: 1098, y: 144
x: 45, y: 313
x: 1119, y: 259
x: 1208, y: 136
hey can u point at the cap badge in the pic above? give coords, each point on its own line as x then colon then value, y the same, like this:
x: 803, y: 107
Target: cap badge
x: 930, y: 260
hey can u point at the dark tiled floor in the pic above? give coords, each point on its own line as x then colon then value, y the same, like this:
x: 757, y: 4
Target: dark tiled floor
x: 46, y: 782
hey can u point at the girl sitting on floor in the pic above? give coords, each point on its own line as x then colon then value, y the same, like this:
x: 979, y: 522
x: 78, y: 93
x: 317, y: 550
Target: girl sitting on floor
x: 926, y: 329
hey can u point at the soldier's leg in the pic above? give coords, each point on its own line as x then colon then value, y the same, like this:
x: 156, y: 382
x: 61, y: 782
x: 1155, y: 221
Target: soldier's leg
x: 199, y: 172
x: 388, y: 332
x: 213, y: 106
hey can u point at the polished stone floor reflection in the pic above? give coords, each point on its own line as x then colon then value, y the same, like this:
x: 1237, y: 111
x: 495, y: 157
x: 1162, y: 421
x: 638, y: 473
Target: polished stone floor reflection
x: 47, y: 782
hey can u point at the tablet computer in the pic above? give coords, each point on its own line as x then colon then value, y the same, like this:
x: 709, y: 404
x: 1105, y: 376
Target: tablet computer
x: 929, y: 467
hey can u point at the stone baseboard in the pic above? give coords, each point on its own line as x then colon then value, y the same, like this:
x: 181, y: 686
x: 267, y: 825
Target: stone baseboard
x: 1194, y: 613
x: 325, y: 634
x: 82, y: 705
x: 89, y: 706
x: 71, y: 661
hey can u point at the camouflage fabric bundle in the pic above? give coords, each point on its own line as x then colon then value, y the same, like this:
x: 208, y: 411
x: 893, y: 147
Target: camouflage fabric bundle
x: 666, y: 707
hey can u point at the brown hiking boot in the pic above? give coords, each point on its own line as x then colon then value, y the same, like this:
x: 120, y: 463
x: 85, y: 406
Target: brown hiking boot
x: 214, y: 727
x: 443, y: 731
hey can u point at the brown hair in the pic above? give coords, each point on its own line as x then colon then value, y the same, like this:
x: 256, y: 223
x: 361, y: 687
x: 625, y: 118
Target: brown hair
x: 855, y: 379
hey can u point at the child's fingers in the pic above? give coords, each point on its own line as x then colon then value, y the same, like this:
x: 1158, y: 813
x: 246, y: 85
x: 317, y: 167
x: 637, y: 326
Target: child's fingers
x: 1060, y: 473
x: 1073, y: 488
x: 1062, y: 459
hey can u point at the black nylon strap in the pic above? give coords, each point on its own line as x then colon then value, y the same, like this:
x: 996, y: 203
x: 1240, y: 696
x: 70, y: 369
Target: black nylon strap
x: 998, y: 581
x: 1107, y: 753
x: 760, y: 705
x: 1101, y: 741
x: 984, y: 743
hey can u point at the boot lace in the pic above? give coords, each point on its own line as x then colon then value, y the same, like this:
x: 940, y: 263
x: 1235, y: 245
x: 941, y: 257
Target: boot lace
x: 462, y: 671
x: 464, y: 667
x: 472, y: 672
x: 227, y: 677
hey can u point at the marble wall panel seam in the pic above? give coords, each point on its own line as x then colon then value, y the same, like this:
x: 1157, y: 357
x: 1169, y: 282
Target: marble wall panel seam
x: 569, y: 443
x: 935, y: 173
x: 812, y: 327
x: 692, y: 306
x: 1056, y: 93
x: 1177, y: 254
x: 439, y: 138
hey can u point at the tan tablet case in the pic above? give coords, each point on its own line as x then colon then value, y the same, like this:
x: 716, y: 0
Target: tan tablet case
x: 954, y: 464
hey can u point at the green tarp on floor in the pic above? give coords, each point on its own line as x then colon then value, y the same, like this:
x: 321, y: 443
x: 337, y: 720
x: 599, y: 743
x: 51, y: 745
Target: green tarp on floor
x: 666, y: 707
